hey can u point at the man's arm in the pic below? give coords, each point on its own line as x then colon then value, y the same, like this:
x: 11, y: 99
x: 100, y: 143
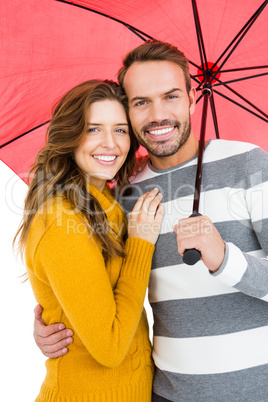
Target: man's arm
x: 52, y: 339
x: 247, y: 271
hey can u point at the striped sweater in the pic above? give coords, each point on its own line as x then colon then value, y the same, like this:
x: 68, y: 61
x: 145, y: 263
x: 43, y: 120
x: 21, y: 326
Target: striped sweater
x: 211, y: 330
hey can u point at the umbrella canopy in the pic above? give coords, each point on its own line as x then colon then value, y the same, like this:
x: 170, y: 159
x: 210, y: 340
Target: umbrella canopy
x: 47, y: 47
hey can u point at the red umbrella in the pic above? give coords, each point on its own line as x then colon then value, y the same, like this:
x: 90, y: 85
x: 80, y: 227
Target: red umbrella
x: 49, y: 46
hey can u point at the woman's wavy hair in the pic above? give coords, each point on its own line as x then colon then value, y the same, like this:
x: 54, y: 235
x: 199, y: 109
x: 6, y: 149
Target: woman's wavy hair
x: 55, y: 171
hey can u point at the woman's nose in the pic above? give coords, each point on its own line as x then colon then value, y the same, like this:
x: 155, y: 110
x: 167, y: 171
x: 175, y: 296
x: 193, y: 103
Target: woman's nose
x: 108, y: 140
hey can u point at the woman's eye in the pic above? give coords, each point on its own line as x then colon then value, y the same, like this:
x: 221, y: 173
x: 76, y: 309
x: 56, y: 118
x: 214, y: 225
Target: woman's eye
x: 92, y: 130
x: 121, y: 130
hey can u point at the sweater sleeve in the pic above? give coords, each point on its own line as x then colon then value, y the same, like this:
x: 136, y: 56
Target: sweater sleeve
x: 105, y: 319
x: 248, y: 272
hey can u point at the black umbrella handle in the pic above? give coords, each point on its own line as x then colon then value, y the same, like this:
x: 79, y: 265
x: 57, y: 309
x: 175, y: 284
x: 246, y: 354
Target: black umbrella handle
x: 191, y: 256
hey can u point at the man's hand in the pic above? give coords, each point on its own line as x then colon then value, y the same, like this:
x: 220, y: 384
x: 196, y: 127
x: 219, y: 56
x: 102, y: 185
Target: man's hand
x: 199, y: 232
x: 52, y: 339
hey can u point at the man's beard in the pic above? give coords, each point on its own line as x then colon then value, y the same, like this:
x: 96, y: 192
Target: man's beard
x: 162, y: 149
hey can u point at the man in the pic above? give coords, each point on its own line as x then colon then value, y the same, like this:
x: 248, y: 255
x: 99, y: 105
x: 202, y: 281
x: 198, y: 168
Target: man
x: 211, y: 319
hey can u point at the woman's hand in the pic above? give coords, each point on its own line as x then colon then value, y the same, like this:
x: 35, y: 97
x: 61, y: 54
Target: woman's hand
x: 146, y: 217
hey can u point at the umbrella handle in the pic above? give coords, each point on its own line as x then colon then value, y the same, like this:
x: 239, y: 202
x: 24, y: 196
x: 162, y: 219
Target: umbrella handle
x: 191, y: 256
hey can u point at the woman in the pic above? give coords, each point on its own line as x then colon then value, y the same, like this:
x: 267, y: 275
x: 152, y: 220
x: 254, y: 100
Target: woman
x: 81, y: 270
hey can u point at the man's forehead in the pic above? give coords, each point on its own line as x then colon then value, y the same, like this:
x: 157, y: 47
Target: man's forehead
x: 146, y: 78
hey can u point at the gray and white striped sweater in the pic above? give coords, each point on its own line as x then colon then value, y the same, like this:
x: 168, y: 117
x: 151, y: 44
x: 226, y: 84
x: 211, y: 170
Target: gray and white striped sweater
x: 211, y: 331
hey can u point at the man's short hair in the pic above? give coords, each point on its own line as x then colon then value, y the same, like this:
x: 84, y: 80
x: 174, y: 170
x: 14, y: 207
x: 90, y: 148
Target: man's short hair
x: 155, y: 50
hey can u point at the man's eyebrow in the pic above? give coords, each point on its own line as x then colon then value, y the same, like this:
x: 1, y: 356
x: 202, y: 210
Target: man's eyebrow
x: 173, y: 90
x: 140, y: 98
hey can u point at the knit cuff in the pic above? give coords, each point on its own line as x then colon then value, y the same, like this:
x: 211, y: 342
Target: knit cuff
x: 138, y: 261
x: 233, y: 267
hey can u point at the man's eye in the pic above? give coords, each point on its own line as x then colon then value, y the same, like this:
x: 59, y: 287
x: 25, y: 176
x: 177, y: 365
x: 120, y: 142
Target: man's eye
x: 172, y: 97
x: 141, y: 103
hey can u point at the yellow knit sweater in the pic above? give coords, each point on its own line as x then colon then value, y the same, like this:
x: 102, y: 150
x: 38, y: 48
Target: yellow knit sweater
x: 110, y: 359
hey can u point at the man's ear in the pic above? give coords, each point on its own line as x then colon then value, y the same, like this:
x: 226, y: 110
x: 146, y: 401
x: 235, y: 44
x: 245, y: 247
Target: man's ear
x: 192, y: 98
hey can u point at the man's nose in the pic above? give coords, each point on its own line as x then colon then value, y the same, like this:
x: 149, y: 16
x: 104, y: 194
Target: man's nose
x: 158, y: 112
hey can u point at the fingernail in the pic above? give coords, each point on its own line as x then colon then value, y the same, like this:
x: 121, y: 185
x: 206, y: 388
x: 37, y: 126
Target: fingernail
x: 64, y: 350
x: 61, y: 326
x: 69, y: 340
x: 69, y: 333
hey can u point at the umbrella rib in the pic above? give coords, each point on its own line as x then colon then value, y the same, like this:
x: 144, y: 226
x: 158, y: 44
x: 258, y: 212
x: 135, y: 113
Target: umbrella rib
x: 26, y: 132
x: 239, y: 79
x: 198, y: 99
x: 133, y: 29
x: 130, y: 27
x: 242, y: 33
x: 214, y: 114
x: 242, y: 97
x: 231, y: 70
x: 200, y: 40
x: 136, y: 31
x: 243, y: 107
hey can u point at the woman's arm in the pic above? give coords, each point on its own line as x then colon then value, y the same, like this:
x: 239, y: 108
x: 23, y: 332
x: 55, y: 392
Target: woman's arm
x: 78, y: 276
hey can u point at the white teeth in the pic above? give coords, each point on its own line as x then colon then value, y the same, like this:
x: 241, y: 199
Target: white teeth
x: 160, y: 132
x: 105, y: 158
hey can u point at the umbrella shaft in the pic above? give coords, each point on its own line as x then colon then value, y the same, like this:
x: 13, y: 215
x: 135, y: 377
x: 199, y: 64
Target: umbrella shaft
x: 198, y: 177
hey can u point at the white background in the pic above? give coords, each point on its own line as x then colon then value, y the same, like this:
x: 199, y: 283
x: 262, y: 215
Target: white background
x: 23, y: 365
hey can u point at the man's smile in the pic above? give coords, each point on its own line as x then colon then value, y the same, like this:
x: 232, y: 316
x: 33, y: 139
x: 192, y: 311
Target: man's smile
x: 160, y: 133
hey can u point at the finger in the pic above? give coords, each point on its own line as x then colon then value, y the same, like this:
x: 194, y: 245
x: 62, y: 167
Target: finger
x: 158, y: 218
x: 55, y: 355
x: 56, y: 337
x: 148, y: 199
x: 159, y: 213
x: 154, y: 204
x: 44, y: 331
x: 193, y: 226
x: 38, y: 312
x: 194, y: 220
x: 56, y: 347
x: 139, y: 203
